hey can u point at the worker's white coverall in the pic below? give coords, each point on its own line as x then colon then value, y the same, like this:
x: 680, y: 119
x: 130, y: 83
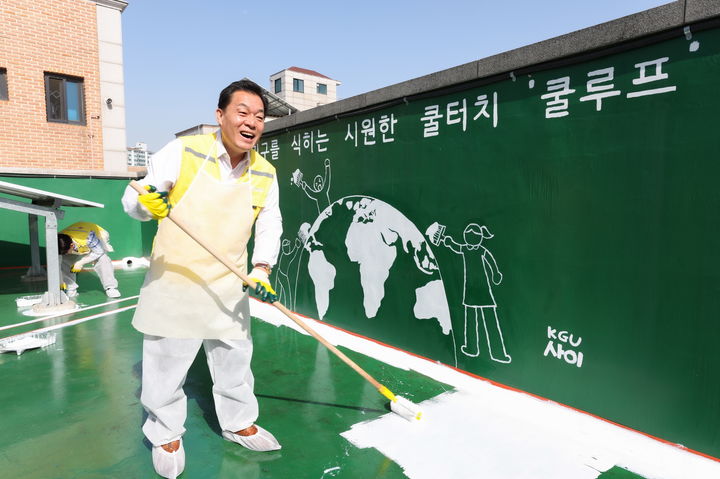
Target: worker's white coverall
x: 190, y: 299
x: 91, y: 248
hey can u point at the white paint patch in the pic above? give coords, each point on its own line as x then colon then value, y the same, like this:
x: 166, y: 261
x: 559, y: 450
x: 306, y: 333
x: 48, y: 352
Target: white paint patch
x: 331, y: 469
x: 494, y: 433
x: 464, y: 435
x: 694, y: 46
x: 479, y: 430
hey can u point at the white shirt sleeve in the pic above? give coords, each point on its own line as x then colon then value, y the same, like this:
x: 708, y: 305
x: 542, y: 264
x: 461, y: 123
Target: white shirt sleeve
x: 268, y: 229
x: 163, y: 172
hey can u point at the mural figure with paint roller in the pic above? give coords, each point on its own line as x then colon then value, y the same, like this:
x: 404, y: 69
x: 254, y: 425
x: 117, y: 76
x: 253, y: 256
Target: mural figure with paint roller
x: 480, y: 272
x: 284, y: 267
x: 319, y: 192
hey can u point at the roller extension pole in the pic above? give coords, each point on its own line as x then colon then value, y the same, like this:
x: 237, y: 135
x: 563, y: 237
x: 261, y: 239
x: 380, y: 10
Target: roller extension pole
x: 399, y: 405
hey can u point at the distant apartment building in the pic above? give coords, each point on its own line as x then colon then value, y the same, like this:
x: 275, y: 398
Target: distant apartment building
x: 62, y: 100
x: 302, y: 88
x: 138, y: 155
x: 201, y: 129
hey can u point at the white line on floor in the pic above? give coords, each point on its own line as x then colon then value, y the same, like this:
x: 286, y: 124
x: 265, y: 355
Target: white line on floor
x: 66, y: 313
x: 71, y: 323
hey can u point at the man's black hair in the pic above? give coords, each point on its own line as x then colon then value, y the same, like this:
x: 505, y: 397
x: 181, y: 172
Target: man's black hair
x: 241, y: 85
x: 64, y: 243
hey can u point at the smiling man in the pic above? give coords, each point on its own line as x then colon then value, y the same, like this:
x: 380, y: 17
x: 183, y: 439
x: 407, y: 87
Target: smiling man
x: 220, y: 187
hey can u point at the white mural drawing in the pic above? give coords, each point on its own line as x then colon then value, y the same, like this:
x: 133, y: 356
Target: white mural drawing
x: 319, y: 192
x: 288, y: 255
x: 375, y: 235
x: 480, y: 273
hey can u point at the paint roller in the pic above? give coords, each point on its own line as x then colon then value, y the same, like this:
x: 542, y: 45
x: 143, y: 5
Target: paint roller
x: 398, y: 404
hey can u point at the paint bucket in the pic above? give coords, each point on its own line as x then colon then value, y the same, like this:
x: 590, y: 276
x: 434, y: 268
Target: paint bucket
x: 131, y: 262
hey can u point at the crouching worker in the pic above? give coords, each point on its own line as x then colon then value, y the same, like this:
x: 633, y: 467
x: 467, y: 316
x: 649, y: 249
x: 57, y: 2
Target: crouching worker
x: 84, y: 243
x: 220, y: 187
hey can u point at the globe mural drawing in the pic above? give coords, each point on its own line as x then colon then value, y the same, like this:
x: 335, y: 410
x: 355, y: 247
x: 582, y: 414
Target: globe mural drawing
x: 367, y: 262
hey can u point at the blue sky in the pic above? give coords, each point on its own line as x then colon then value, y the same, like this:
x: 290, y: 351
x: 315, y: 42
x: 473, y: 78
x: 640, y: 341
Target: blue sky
x: 179, y: 54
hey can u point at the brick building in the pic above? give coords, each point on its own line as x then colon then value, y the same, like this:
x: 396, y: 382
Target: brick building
x: 61, y: 85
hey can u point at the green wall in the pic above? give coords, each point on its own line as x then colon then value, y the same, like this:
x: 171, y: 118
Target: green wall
x: 127, y: 236
x: 603, y: 212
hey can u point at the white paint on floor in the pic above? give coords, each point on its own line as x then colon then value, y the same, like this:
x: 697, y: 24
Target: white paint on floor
x: 478, y: 430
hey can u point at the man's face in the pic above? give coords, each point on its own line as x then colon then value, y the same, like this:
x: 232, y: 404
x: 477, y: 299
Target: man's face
x: 242, y: 122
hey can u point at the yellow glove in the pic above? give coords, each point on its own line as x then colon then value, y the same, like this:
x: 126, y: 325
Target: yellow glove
x: 262, y: 290
x: 155, y: 202
x: 76, y: 268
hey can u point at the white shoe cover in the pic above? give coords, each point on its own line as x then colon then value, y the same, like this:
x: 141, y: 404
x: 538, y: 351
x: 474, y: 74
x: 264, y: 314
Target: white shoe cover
x: 112, y: 293
x: 262, y: 440
x: 169, y: 464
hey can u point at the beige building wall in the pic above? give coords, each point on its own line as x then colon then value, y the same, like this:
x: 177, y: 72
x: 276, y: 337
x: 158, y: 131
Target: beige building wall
x: 310, y: 98
x: 61, y: 37
x: 112, y: 85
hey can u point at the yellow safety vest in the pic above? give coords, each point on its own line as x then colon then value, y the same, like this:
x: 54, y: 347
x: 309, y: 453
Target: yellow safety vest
x: 197, y: 147
x: 80, y: 231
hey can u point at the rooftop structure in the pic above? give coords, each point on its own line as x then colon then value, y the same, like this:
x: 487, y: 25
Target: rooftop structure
x: 277, y: 107
x: 303, y: 88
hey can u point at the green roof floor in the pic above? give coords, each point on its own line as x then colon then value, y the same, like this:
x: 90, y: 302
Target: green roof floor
x: 72, y: 409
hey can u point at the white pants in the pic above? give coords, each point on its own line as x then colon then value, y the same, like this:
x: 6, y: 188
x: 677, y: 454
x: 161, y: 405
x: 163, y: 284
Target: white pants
x: 165, y: 365
x: 103, y: 267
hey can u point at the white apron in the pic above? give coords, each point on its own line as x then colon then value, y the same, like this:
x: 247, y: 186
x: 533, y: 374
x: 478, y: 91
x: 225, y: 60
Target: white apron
x: 188, y: 293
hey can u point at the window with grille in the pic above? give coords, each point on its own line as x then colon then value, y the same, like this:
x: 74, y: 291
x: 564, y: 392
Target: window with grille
x: 3, y: 84
x: 64, y: 99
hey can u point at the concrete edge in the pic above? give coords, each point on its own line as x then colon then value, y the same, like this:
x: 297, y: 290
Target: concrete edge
x: 116, y: 4
x: 43, y: 172
x: 697, y: 10
x: 624, y: 29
